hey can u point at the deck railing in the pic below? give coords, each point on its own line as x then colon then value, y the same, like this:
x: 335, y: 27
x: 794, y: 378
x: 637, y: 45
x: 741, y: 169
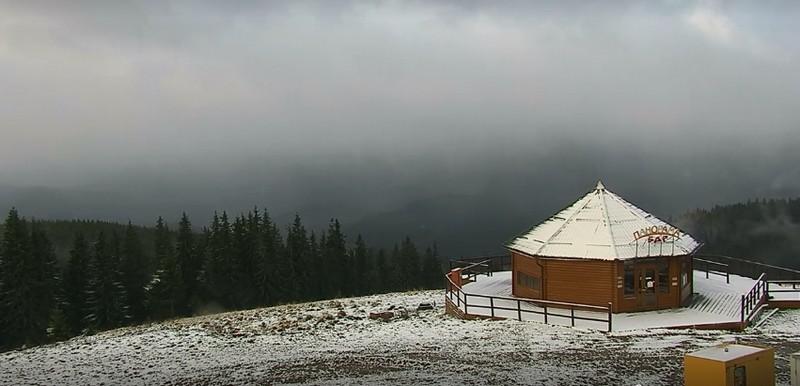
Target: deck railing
x: 471, y: 271
x: 782, y: 286
x: 752, y: 301
x: 750, y: 268
x: 546, y: 308
x: 496, y: 262
x: 714, y: 268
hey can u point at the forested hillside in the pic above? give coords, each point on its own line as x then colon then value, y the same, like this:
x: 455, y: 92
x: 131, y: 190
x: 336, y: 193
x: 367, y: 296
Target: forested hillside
x: 762, y: 230
x: 61, y: 233
x: 117, y: 275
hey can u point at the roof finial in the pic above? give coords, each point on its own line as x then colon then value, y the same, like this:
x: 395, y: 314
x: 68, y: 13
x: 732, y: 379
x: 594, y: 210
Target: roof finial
x: 600, y: 185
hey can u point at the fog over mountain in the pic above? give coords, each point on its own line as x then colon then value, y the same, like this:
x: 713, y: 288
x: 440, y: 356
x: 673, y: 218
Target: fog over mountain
x: 462, y: 122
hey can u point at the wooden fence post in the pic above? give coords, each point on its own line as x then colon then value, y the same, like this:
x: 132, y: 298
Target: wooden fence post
x: 545, y: 314
x: 491, y: 305
x: 742, y: 310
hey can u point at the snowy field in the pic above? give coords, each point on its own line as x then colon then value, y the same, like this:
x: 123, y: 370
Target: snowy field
x: 333, y: 342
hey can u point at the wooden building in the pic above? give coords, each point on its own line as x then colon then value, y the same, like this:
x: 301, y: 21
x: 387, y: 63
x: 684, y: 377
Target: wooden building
x: 603, y: 249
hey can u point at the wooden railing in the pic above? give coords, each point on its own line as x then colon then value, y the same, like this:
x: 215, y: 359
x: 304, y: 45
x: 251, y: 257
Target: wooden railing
x: 547, y: 309
x: 750, y: 268
x: 782, y: 284
x: 471, y: 271
x: 496, y: 262
x: 722, y: 268
x: 753, y: 300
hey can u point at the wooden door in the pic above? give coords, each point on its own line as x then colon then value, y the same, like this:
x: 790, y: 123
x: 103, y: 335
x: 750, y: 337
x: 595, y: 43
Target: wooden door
x: 647, y: 288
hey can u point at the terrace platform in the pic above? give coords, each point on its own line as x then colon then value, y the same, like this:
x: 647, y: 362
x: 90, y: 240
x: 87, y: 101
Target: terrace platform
x: 715, y: 304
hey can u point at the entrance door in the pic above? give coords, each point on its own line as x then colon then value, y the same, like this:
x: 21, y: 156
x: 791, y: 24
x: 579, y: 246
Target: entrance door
x: 647, y: 286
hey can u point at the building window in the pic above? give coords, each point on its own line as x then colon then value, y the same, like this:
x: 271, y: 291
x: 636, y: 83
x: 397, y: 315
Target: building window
x: 525, y: 280
x: 739, y: 376
x: 663, y: 278
x: 684, y: 274
x: 629, y: 285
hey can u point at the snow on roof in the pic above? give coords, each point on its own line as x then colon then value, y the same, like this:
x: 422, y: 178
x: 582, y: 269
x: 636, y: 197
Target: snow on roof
x: 601, y: 225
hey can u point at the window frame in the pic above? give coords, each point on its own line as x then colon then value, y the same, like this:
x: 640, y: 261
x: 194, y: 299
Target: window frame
x: 629, y: 268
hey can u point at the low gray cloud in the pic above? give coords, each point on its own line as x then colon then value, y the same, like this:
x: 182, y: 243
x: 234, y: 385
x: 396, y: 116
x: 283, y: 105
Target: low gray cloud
x: 144, y: 98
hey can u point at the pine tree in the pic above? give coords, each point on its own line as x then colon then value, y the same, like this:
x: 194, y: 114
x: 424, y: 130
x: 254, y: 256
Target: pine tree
x: 202, y: 292
x: 318, y: 286
x: 273, y: 268
x: 42, y: 279
x: 382, y: 273
x: 27, y: 286
x: 166, y: 289
x: 135, y: 277
x: 243, y: 249
x: 219, y: 268
x: 395, y: 272
x: 361, y: 270
x: 253, y: 249
x: 14, y: 291
x: 75, y: 283
x: 432, y: 276
x: 409, y: 264
x: 189, y: 261
x: 336, y: 254
x: 106, y: 300
x: 297, y: 250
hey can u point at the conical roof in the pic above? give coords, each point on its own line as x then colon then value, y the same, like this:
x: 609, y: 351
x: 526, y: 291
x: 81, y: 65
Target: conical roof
x: 602, y: 225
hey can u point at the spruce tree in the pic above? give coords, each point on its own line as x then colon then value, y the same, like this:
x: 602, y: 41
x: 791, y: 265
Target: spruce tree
x: 27, y: 286
x: 409, y: 264
x: 14, y: 290
x: 317, y: 284
x: 135, y: 277
x: 395, y: 272
x: 361, y: 270
x: 241, y: 255
x: 166, y: 289
x: 253, y: 249
x: 42, y: 280
x: 201, y: 291
x: 189, y: 261
x: 273, y: 268
x: 297, y: 250
x: 75, y: 283
x: 219, y: 269
x: 432, y: 276
x: 336, y: 253
x: 106, y: 300
x: 382, y: 273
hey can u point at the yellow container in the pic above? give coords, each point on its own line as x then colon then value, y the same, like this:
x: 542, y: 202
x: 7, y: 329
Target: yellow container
x: 730, y: 365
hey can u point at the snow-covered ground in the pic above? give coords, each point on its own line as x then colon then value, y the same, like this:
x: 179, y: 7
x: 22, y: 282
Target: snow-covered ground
x: 716, y: 301
x: 333, y: 342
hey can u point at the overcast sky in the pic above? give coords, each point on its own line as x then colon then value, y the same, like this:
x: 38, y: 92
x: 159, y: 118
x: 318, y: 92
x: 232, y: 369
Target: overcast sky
x: 230, y: 104
x: 93, y: 85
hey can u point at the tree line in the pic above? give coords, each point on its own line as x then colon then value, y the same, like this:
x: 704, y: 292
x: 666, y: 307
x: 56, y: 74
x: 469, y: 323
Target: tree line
x: 111, y: 280
x: 765, y: 230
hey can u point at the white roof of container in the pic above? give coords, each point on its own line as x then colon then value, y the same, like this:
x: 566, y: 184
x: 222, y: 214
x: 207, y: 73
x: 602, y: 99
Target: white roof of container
x: 601, y: 225
x: 726, y: 352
